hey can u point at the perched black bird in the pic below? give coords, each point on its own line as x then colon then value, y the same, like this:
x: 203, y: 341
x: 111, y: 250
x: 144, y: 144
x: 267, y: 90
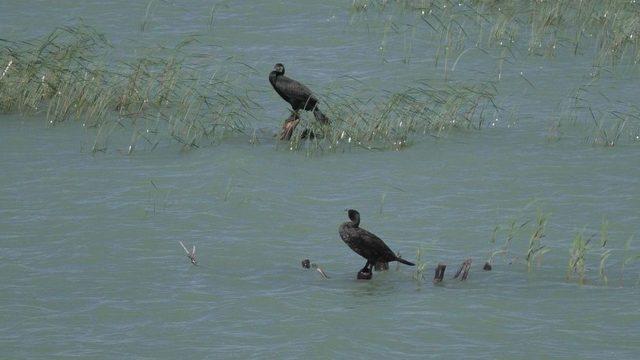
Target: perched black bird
x: 367, y: 245
x: 296, y: 94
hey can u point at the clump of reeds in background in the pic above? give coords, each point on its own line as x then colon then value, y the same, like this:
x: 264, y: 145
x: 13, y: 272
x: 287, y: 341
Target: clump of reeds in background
x: 606, y: 126
x: 63, y: 76
x: 607, y: 29
x: 390, y: 123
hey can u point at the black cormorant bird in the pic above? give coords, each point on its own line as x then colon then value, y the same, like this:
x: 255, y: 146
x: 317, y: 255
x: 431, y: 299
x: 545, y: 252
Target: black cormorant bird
x: 296, y: 94
x: 366, y: 244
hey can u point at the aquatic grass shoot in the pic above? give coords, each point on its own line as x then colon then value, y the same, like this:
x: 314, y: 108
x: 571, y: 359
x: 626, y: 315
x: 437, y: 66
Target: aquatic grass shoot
x: 536, y: 250
x: 577, y: 260
x: 515, y: 227
x: 629, y: 258
x: 420, y: 266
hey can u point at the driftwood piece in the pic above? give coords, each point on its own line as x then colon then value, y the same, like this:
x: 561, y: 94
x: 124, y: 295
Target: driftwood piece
x: 307, y: 264
x: 463, y: 271
x: 190, y: 254
x: 437, y: 278
x: 289, y: 126
x: 319, y: 269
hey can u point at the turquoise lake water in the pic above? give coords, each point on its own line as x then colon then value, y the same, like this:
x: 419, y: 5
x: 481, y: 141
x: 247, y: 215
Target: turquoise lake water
x: 90, y: 262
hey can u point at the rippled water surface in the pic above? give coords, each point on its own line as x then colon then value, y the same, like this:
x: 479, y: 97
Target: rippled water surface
x: 90, y: 264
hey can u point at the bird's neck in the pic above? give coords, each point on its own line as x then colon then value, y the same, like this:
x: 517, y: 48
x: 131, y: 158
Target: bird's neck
x: 272, y: 77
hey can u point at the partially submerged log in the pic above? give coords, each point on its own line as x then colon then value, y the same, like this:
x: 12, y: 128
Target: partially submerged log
x: 289, y: 126
x: 463, y: 271
x: 439, y: 276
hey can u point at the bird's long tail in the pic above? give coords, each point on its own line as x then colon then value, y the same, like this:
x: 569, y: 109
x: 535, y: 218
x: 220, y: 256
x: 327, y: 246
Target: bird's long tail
x: 320, y: 117
x: 405, y: 261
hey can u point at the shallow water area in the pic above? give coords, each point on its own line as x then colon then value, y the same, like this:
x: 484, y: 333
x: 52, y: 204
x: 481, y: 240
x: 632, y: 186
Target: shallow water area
x: 89, y: 254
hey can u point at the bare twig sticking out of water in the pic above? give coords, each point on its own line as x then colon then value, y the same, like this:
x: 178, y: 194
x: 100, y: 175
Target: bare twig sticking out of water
x: 463, y: 271
x: 190, y: 254
x: 307, y: 264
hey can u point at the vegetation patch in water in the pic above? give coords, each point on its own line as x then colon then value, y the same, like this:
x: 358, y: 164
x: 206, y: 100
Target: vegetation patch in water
x: 588, y: 250
x: 608, y: 30
x: 392, y: 123
x: 64, y: 77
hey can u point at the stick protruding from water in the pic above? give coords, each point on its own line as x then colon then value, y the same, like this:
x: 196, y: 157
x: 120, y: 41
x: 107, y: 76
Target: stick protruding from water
x: 307, y: 264
x: 190, y: 254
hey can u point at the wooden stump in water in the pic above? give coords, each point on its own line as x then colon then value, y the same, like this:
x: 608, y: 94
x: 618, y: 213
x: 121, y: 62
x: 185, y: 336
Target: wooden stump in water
x: 289, y: 126
x: 439, y: 273
x: 364, y: 275
x: 463, y: 271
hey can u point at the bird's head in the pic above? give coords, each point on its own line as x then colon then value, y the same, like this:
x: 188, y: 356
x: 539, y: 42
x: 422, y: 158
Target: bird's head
x: 354, y: 215
x: 279, y: 69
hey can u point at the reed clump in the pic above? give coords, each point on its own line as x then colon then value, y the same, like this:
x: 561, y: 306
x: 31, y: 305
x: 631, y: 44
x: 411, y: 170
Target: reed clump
x: 393, y: 122
x: 515, y: 229
x: 63, y: 76
x: 606, y: 127
x: 584, y: 248
x: 536, y: 249
x: 608, y: 30
x: 588, y: 250
x: 577, y: 260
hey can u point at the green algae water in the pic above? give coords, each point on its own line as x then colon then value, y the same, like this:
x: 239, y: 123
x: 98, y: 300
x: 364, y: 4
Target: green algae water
x: 90, y: 260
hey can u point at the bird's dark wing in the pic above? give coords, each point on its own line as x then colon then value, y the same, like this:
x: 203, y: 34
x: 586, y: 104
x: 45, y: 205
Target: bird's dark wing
x: 350, y: 236
x: 366, y: 244
x: 379, y: 250
x: 295, y: 93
